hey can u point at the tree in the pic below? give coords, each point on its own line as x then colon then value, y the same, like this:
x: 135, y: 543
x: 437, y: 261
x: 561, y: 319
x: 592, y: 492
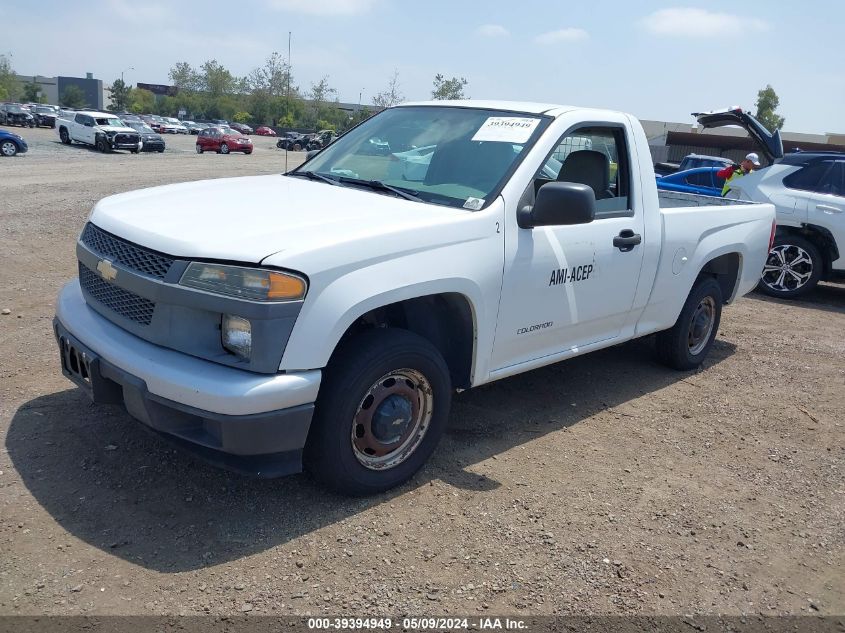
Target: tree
x: 184, y: 77
x: 142, y: 101
x: 767, y: 103
x: 242, y: 117
x: 272, y: 78
x: 9, y: 86
x: 392, y: 96
x: 73, y: 97
x: 215, y: 79
x: 31, y: 92
x: 448, y: 88
x: 120, y: 96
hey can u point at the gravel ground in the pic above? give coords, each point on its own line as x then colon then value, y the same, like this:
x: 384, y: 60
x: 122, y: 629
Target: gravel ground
x: 606, y: 484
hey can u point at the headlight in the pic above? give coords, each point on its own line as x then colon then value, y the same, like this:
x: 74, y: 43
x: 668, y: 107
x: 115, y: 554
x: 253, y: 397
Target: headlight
x: 236, y: 335
x: 255, y: 284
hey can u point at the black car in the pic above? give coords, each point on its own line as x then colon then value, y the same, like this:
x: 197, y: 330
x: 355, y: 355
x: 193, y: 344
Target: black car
x: 150, y: 141
x: 15, y: 114
x: 45, y: 116
x: 243, y: 128
x: 293, y: 141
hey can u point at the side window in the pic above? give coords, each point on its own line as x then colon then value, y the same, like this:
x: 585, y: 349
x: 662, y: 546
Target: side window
x: 597, y: 157
x: 809, y: 178
x: 80, y: 118
x: 833, y: 183
x: 701, y: 179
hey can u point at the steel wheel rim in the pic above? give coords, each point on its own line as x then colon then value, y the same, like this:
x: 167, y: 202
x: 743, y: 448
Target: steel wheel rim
x: 372, y: 447
x: 788, y: 268
x: 8, y: 148
x: 701, y: 325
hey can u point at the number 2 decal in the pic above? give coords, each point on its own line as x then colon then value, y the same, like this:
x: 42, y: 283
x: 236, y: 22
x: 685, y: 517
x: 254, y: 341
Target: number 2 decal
x: 497, y: 228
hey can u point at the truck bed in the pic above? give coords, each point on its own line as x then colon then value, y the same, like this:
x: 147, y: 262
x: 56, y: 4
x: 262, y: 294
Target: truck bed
x: 672, y: 199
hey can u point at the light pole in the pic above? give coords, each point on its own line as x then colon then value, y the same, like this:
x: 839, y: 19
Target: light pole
x: 123, y: 71
x: 361, y: 92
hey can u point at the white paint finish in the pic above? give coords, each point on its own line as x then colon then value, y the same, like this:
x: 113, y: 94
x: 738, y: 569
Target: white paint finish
x: 178, y: 377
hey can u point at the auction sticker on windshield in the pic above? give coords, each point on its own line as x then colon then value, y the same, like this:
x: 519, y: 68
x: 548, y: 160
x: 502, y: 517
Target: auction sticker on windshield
x: 506, y: 129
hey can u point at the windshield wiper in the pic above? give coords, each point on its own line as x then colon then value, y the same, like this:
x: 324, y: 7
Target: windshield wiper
x: 378, y: 185
x: 313, y: 175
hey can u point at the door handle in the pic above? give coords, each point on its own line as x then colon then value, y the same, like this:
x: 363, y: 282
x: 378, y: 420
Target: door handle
x: 828, y: 208
x: 627, y: 240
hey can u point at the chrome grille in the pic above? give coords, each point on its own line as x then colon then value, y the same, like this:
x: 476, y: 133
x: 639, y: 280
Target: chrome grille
x: 134, y: 257
x: 126, y: 304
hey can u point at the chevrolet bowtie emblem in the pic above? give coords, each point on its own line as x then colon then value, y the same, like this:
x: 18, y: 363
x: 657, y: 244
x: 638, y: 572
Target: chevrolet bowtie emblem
x: 106, y: 270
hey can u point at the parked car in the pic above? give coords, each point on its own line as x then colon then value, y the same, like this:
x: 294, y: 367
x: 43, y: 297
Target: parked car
x: 321, y: 139
x: 699, y: 180
x: 193, y: 127
x: 243, y: 128
x: 16, y: 114
x: 11, y: 144
x: 150, y: 141
x: 265, y: 131
x: 292, y: 141
x: 691, y: 161
x: 223, y: 140
x: 323, y: 318
x: 103, y: 130
x: 44, y: 115
x: 808, y: 191
x: 176, y: 124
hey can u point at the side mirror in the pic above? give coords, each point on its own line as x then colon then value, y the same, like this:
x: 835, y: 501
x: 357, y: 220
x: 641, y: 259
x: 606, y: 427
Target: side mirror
x: 559, y: 204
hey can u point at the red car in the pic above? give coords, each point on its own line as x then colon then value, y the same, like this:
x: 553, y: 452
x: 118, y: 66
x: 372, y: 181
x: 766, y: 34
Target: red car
x: 265, y: 131
x: 222, y: 140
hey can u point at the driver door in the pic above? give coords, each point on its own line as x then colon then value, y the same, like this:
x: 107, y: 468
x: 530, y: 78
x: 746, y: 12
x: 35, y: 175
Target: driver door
x: 566, y: 287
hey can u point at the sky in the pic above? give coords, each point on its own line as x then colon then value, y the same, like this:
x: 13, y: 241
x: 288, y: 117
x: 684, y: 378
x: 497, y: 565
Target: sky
x: 656, y: 60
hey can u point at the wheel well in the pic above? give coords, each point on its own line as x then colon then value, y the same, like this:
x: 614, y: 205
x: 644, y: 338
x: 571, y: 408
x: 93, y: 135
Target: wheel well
x: 445, y: 320
x: 819, y: 236
x: 725, y: 270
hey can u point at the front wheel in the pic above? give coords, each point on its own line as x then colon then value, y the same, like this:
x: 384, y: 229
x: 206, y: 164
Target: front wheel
x: 380, y: 413
x: 687, y: 343
x: 199, y: 149
x: 793, y: 268
x: 8, y: 148
x: 101, y: 145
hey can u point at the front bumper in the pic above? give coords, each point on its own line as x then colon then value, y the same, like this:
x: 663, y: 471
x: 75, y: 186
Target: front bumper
x: 152, y: 146
x: 241, y: 420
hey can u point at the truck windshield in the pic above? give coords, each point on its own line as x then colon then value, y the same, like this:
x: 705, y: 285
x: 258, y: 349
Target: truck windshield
x: 445, y: 155
x: 114, y: 122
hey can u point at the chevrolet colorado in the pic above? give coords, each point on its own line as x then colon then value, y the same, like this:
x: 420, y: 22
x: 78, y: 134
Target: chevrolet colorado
x: 325, y: 316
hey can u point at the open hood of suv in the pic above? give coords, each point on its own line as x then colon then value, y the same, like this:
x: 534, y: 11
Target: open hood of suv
x: 770, y: 143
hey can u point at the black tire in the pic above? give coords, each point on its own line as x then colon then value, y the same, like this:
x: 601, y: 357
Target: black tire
x: 793, y: 268
x: 161, y: 151
x: 686, y: 344
x: 199, y: 149
x: 297, y: 147
x: 8, y: 148
x: 64, y: 136
x: 101, y: 145
x: 338, y: 451
x: 224, y: 148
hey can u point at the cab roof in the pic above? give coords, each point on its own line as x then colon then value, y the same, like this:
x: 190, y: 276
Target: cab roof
x: 511, y: 106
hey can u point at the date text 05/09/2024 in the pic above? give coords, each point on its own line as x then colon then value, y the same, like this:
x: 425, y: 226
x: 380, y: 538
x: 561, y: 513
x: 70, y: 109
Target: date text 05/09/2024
x: 417, y: 624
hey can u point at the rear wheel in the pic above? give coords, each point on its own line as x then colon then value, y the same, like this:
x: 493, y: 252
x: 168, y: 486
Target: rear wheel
x: 224, y: 148
x: 687, y: 343
x: 793, y: 268
x: 8, y: 148
x: 381, y: 411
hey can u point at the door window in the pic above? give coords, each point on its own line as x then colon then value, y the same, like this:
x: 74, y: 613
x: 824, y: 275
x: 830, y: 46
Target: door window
x: 597, y: 157
x: 810, y: 178
x: 833, y: 182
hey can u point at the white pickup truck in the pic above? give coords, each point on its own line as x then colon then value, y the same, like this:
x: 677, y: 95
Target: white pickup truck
x: 325, y: 316
x: 104, y: 131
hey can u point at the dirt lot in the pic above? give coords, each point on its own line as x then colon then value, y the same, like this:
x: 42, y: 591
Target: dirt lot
x: 605, y: 484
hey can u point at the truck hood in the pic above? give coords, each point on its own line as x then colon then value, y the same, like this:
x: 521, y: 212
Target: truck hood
x: 250, y: 218
x: 117, y: 128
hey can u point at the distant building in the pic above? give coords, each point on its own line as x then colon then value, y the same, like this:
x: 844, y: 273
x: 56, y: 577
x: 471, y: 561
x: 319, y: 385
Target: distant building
x: 52, y: 88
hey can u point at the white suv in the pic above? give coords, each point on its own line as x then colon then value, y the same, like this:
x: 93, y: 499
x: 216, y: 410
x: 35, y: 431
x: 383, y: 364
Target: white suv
x: 808, y: 191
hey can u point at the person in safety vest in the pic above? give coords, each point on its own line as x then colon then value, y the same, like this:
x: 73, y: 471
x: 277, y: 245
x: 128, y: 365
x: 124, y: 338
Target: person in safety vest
x: 731, y: 172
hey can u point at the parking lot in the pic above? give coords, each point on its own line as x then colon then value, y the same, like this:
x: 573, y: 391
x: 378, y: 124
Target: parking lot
x: 606, y: 484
